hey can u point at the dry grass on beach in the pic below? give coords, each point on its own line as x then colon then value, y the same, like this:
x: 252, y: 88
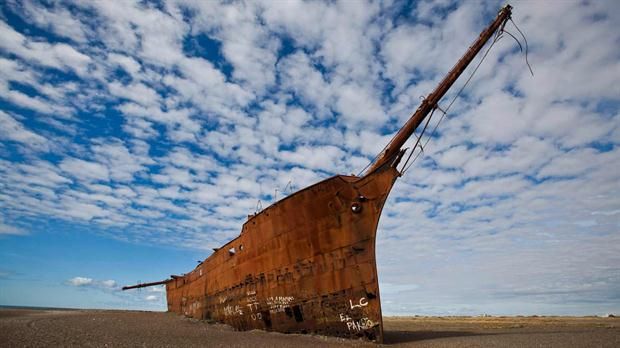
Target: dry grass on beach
x: 98, y: 328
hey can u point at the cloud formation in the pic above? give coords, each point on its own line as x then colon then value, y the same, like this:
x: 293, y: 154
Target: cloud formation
x: 80, y: 281
x: 92, y: 283
x: 166, y: 123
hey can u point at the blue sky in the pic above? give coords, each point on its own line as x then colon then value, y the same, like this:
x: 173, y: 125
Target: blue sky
x: 135, y: 137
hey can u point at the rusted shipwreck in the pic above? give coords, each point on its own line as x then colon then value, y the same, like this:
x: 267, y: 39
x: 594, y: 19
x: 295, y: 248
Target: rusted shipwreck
x: 306, y: 264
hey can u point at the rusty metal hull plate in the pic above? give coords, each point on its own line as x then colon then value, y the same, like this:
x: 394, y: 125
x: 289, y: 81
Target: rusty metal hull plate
x: 303, y: 265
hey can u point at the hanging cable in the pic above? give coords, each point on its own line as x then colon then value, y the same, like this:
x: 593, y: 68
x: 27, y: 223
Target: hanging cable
x: 517, y: 40
x: 526, y: 45
x: 419, y: 138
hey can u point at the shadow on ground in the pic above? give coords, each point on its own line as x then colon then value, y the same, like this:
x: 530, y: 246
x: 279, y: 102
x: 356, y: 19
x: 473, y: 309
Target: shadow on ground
x: 395, y: 337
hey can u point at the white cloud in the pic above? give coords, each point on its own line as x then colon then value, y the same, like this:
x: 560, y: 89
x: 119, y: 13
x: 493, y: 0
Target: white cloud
x: 11, y: 230
x: 86, y: 282
x: 60, y: 56
x: 129, y: 64
x: 157, y: 289
x: 85, y: 170
x: 12, y: 130
x: 80, y: 281
x: 58, y: 20
x: 136, y: 92
x: 108, y: 284
x: 315, y: 157
x: 15, y: 72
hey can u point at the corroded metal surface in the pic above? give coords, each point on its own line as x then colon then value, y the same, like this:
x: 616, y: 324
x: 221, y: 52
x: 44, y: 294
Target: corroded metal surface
x: 305, y: 264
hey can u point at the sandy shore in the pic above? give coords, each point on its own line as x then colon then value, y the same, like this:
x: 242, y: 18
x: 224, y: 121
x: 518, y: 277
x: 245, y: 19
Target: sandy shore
x: 94, y: 328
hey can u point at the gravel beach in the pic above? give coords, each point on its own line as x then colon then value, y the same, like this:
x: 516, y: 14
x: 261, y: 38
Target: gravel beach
x: 108, y: 328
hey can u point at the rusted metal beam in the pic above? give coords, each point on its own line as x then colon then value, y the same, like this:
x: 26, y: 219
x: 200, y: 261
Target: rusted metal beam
x: 144, y: 285
x: 431, y: 101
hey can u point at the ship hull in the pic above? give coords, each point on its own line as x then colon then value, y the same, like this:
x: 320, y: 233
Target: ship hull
x: 305, y: 264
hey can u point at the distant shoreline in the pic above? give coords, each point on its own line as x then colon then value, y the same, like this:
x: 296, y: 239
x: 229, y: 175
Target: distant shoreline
x: 42, y: 308
x: 413, y: 316
x: 74, y: 309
